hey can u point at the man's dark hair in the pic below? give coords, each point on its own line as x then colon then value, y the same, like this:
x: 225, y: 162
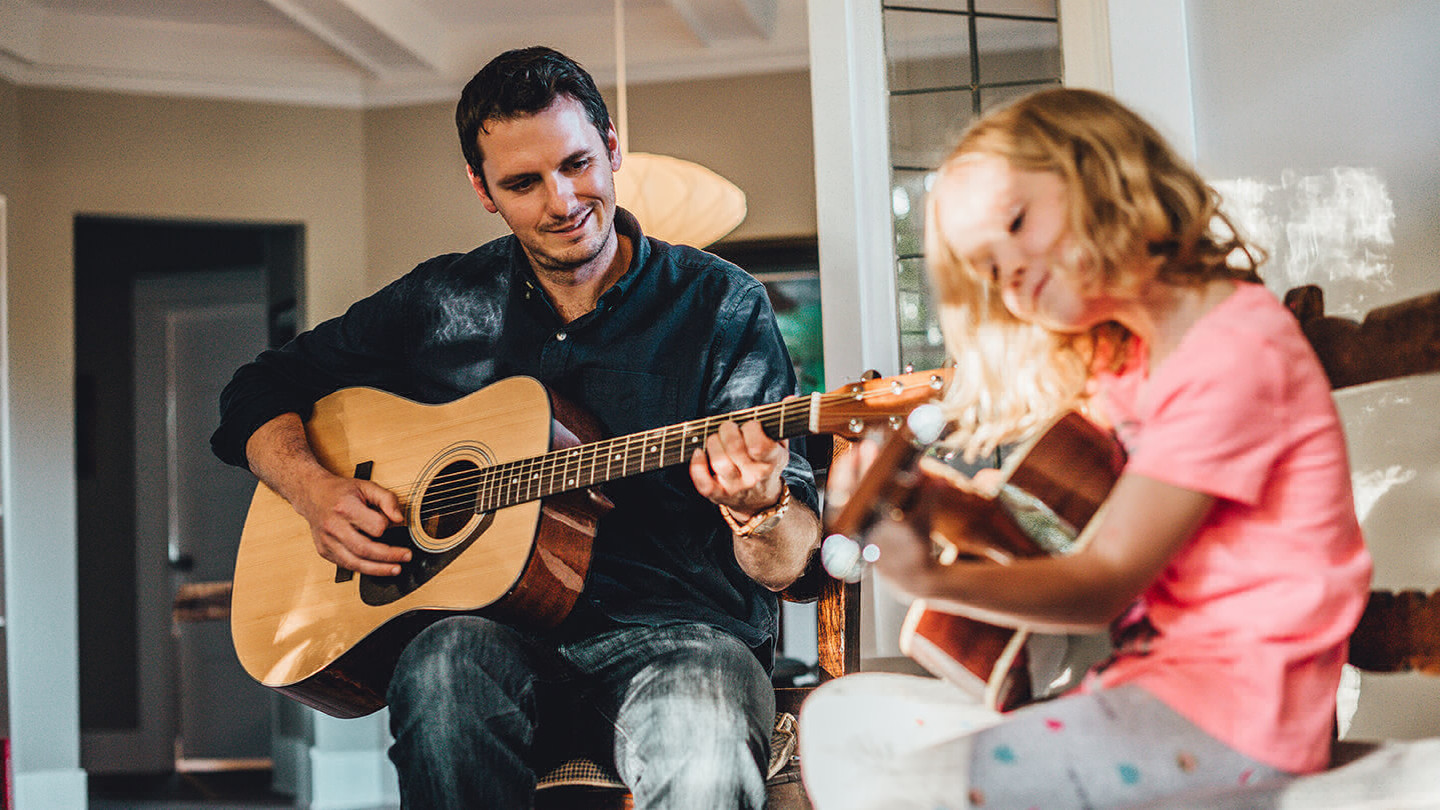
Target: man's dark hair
x: 522, y: 82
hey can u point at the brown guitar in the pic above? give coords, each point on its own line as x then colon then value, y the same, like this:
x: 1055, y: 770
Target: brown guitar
x: 1054, y: 485
x: 498, y: 492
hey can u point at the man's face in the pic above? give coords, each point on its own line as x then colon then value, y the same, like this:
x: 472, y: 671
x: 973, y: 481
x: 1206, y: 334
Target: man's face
x: 550, y: 176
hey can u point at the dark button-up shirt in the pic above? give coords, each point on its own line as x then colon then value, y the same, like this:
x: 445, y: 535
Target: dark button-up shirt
x: 682, y: 335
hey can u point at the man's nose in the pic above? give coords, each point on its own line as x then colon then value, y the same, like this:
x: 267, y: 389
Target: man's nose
x: 561, y: 199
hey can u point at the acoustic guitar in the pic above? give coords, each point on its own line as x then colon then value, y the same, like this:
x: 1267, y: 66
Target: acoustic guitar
x: 1053, y: 488
x: 499, y: 494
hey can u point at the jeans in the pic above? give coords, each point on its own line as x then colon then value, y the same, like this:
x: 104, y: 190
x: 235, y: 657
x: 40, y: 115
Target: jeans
x: 477, y: 708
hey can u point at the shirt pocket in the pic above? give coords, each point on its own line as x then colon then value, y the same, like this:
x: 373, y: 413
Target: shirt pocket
x: 630, y: 401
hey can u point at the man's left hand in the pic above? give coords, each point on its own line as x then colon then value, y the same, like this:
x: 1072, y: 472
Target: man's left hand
x: 740, y: 468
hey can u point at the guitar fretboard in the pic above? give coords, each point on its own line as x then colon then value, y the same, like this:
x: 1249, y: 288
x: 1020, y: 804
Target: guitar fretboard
x: 597, y: 462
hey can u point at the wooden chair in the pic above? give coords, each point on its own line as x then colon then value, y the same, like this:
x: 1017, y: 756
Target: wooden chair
x: 1399, y: 631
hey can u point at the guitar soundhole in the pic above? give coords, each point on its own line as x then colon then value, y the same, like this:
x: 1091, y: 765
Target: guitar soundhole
x: 449, y: 501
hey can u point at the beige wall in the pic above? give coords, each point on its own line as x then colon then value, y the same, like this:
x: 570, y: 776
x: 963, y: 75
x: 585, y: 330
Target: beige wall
x: 419, y: 202
x: 9, y: 136
x: 755, y: 131
x: 69, y: 153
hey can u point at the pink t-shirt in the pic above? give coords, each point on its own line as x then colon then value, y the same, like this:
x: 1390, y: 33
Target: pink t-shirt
x: 1251, y: 618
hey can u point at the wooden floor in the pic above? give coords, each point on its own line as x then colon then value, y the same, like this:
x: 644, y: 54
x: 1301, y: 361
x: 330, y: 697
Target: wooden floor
x: 229, y: 790
x: 250, y: 790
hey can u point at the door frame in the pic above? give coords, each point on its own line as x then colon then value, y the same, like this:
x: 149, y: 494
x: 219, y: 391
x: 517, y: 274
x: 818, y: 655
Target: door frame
x: 110, y: 253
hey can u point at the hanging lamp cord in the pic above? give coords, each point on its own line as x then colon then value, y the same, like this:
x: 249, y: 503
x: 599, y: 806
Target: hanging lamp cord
x: 624, y: 133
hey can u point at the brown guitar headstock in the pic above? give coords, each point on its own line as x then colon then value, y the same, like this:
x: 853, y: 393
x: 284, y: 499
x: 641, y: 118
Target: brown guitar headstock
x: 877, y: 402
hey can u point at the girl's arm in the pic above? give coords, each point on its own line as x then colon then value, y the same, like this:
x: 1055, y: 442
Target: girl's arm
x: 1145, y: 523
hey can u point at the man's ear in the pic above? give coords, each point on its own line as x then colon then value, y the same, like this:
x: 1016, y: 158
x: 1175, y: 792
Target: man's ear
x: 612, y: 145
x: 478, y: 183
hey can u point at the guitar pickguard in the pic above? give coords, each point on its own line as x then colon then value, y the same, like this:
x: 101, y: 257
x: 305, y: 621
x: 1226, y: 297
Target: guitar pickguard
x: 422, y: 567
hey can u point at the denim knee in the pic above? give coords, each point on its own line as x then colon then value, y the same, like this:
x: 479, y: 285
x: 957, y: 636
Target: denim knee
x: 463, y: 716
x: 694, y: 728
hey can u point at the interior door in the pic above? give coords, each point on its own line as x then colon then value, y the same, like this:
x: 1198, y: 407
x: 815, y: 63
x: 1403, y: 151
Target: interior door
x: 191, y: 331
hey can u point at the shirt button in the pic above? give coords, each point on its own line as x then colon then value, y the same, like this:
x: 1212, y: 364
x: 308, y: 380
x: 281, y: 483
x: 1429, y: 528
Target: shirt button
x: 560, y: 336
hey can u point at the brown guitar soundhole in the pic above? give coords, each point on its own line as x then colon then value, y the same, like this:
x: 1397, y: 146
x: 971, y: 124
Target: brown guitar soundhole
x: 448, y: 505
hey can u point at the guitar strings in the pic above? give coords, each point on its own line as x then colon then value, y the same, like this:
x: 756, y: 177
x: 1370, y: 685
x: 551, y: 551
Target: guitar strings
x: 459, y: 493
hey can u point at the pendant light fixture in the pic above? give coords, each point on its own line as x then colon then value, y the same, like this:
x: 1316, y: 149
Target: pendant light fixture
x: 675, y: 200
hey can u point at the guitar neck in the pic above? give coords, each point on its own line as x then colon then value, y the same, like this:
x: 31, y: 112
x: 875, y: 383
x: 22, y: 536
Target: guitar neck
x: 598, y: 462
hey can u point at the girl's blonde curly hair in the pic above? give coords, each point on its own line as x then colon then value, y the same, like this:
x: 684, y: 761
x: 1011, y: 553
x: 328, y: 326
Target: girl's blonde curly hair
x: 1137, y: 212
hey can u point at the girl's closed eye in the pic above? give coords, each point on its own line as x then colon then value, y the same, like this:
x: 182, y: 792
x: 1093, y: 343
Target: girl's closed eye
x: 1018, y: 222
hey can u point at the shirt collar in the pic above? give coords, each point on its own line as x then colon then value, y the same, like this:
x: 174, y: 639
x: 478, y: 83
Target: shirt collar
x: 626, y: 225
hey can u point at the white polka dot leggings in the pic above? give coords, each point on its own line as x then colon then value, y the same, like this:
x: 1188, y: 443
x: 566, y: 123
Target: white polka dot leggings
x: 878, y: 740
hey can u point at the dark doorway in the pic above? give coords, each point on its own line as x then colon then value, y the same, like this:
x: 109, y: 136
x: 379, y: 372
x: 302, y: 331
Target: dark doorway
x: 151, y: 294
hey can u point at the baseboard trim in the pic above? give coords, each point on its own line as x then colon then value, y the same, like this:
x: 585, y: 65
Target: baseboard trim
x: 351, y: 780
x: 51, y: 790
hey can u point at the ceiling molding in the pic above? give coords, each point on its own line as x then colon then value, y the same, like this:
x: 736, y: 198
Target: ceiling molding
x: 364, y: 53
x: 715, y: 21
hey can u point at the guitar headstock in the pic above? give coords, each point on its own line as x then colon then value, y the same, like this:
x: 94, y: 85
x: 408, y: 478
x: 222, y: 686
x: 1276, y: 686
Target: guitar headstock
x: 852, y: 409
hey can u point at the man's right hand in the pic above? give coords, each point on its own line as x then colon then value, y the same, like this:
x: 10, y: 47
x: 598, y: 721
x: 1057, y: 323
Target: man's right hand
x: 345, y: 517
x: 345, y: 514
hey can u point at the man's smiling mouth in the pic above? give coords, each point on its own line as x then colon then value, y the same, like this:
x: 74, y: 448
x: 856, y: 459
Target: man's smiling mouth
x: 571, y: 225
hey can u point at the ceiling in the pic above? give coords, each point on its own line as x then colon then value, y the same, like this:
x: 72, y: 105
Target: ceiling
x: 367, y: 53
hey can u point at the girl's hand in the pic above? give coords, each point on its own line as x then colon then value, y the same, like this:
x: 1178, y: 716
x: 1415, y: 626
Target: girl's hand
x: 907, y: 559
x: 846, y: 471
x: 906, y: 556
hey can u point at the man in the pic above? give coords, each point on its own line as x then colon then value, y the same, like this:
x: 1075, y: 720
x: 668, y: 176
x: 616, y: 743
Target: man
x: 662, y: 663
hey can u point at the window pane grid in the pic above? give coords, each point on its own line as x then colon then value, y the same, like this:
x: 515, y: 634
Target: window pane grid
x: 948, y: 61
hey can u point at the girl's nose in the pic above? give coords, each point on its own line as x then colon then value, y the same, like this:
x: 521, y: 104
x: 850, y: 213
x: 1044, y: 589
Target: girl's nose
x: 1009, y: 264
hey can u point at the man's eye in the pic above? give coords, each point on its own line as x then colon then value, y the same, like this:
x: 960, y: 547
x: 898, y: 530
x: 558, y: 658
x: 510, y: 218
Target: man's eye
x: 519, y: 185
x: 1018, y: 222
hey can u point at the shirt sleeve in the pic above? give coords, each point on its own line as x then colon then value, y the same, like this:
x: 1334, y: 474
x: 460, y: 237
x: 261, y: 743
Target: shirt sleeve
x: 751, y: 367
x: 1215, y: 421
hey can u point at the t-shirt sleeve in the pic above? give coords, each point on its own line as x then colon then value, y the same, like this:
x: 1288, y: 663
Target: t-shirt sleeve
x: 1215, y: 422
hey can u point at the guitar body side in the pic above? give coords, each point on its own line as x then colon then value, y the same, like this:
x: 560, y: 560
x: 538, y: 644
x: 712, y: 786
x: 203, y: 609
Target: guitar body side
x: 306, y: 631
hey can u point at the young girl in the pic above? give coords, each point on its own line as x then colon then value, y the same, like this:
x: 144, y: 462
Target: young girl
x: 1079, y: 263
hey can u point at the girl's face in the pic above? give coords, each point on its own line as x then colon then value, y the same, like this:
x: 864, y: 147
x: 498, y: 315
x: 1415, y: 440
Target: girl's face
x: 1013, y: 225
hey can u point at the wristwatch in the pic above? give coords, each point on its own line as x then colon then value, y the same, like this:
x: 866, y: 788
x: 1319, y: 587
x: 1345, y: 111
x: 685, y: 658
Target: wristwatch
x: 762, y: 521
